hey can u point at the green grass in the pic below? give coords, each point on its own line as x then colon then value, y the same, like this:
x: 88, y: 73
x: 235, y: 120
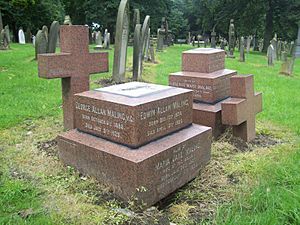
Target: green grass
x: 276, y: 197
x: 267, y: 194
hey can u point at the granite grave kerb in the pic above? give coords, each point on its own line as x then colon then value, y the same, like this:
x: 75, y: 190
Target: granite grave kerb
x: 73, y: 65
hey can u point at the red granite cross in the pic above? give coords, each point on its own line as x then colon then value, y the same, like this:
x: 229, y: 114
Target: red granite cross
x: 74, y: 65
x: 240, y: 110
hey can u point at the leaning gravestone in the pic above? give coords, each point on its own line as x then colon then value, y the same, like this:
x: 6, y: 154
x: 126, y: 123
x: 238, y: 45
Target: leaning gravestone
x: 136, y: 136
x: 21, y: 36
x: 73, y: 65
x: 41, y: 42
x: 53, y: 37
x: 121, y: 42
x: 249, y: 40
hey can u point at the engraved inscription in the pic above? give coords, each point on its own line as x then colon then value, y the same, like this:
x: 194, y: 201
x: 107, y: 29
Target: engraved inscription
x: 182, y: 160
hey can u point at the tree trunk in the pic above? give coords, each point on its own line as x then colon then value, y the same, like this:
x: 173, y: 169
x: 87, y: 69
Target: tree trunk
x: 269, y: 26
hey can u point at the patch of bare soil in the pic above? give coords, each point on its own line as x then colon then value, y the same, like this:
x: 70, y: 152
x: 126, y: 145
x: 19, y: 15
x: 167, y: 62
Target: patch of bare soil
x: 48, y: 147
x: 261, y: 141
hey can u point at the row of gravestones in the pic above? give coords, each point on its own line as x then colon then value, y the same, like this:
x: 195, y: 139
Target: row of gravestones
x: 142, y: 45
x: 101, y: 42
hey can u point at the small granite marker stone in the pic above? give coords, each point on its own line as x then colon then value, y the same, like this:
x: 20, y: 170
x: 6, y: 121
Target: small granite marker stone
x: 73, y: 65
x: 135, y: 114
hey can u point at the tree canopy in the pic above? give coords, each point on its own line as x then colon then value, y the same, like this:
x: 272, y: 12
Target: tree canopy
x: 260, y: 17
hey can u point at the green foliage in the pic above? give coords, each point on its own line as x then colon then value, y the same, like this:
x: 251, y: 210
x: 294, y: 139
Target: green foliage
x: 32, y: 14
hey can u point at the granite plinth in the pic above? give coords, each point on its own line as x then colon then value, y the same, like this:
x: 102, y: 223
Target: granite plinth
x: 209, y: 115
x: 160, y: 167
x: 135, y: 113
x: 207, y: 87
x: 203, y: 60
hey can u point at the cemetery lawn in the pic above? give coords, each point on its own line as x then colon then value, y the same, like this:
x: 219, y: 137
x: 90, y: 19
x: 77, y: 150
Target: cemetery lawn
x: 243, y: 184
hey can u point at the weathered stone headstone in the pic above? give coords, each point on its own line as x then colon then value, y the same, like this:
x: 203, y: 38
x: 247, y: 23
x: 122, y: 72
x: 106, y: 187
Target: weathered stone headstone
x: 106, y: 39
x: 189, y: 38
x: 292, y: 48
x: 284, y: 56
x: 161, y: 35
x: 28, y: 35
x: 41, y: 42
x: 240, y: 110
x: 73, y: 65
x: 287, y: 67
x: 231, y: 39
x: 4, y: 40
x: 297, y: 49
x: 271, y: 54
x: 136, y: 52
x: 136, y: 17
x: 274, y: 42
x: 242, y: 49
x: 203, y: 71
x: 134, y: 136
x: 67, y: 20
x: 1, y: 22
x: 121, y: 42
x: 279, y: 50
x: 249, y: 40
x: 213, y: 39
x: 147, y: 48
x: 21, y: 36
x: 53, y: 37
x: 152, y: 52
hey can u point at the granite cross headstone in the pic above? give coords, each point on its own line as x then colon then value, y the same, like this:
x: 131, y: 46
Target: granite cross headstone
x: 73, y: 65
x: 121, y: 42
x: 240, y: 110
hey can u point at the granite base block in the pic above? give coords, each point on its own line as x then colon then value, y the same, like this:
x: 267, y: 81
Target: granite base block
x: 209, y: 115
x: 160, y: 167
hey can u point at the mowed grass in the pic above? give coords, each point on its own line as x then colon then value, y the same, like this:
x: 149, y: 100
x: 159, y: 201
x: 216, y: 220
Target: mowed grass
x: 268, y: 192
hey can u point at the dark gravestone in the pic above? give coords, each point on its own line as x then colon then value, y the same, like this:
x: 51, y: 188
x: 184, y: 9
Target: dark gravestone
x: 121, y: 42
x: 53, y: 37
x: 143, y: 43
x: 297, y: 49
x: 1, y: 22
x: 147, y: 49
x: 41, y: 42
x: 231, y: 39
x: 28, y: 35
x: 73, y: 65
